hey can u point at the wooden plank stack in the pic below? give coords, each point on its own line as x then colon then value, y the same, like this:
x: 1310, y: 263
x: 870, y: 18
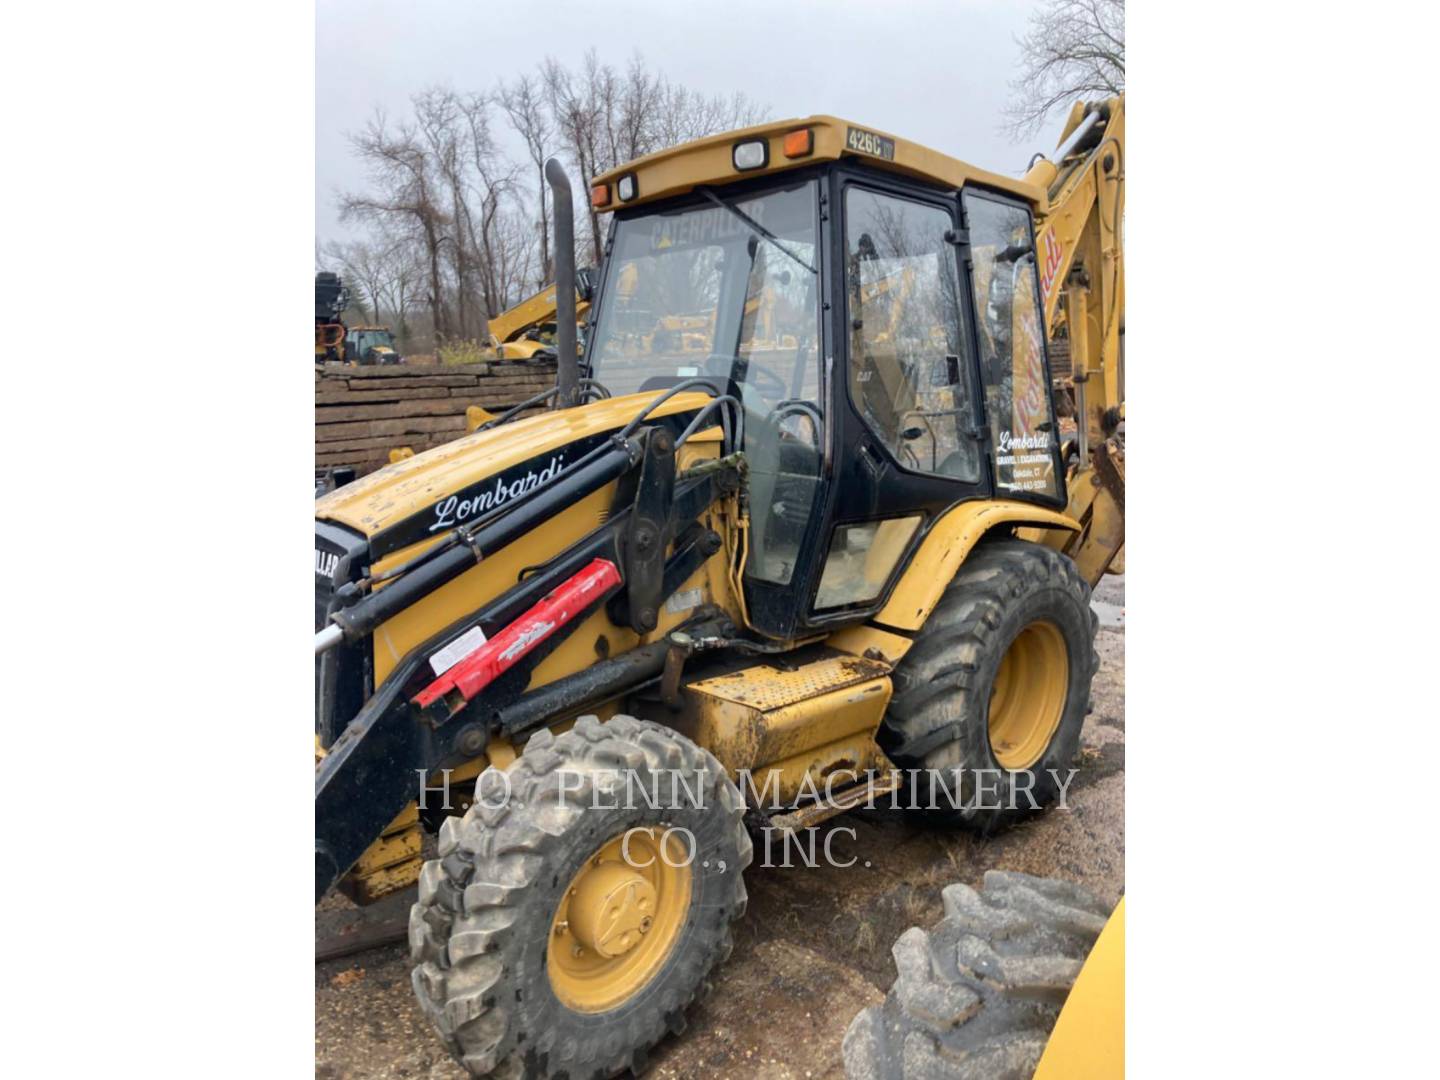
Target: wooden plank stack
x: 362, y: 413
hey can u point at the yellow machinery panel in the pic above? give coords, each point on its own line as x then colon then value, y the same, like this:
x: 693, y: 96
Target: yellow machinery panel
x: 815, y: 720
x: 390, y: 864
x: 1088, y: 1041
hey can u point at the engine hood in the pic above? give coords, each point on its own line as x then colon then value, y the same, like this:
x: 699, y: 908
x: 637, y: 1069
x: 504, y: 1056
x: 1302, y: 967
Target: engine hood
x: 426, y: 495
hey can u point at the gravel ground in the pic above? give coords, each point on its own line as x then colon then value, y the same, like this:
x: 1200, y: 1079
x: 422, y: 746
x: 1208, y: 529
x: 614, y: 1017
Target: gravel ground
x: 814, y: 947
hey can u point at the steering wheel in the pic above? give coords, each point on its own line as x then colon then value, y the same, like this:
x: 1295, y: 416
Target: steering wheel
x: 787, y: 409
x: 755, y: 376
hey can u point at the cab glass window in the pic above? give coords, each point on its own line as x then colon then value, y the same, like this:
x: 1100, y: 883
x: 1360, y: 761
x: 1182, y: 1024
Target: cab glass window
x: 729, y: 289
x: 1011, y: 332
x: 861, y: 560
x: 907, y: 358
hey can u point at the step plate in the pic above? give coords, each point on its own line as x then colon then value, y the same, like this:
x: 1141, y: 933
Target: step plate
x: 764, y: 687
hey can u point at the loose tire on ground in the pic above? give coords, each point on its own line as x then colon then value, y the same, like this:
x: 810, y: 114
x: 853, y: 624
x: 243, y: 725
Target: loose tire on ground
x: 1013, y: 635
x: 487, y: 912
x: 976, y: 996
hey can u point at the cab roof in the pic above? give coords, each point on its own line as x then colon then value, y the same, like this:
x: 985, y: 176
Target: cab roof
x: 709, y: 161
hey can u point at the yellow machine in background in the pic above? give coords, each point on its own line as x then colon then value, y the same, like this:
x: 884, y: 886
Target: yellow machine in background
x: 336, y: 343
x: 523, y: 332
x: 370, y: 345
x: 528, y: 329
x: 801, y: 532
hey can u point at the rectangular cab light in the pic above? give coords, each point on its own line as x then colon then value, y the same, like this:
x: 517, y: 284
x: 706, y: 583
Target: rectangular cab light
x: 626, y: 188
x: 750, y: 155
x: 600, y: 195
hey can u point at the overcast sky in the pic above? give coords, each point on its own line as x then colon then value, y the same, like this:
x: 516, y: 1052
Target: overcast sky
x: 935, y: 71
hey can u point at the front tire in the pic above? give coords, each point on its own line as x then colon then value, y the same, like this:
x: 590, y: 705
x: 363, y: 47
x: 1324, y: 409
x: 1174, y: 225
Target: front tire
x: 990, y: 699
x: 538, y: 949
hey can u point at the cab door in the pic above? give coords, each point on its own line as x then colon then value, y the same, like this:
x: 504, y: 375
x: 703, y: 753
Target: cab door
x: 1011, y: 345
x: 905, y: 388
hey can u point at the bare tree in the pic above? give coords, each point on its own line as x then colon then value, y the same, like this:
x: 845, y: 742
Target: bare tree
x: 492, y: 183
x: 684, y: 115
x: 513, y: 255
x: 443, y: 179
x: 407, y: 196
x: 577, y: 117
x: 384, y: 274
x: 362, y: 271
x: 524, y: 103
x: 604, y: 118
x: 1072, y: 49
x: 402, y: 286
x: 450, y: 213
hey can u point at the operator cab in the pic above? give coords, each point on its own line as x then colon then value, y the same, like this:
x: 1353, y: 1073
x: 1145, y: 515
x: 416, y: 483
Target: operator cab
x: 883, y: 331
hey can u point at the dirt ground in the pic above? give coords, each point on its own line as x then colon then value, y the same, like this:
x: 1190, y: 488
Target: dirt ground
x: 814, y: 947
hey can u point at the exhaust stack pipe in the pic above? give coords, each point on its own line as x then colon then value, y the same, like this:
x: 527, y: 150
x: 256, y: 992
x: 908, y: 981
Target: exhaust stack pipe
x: 567, y: 360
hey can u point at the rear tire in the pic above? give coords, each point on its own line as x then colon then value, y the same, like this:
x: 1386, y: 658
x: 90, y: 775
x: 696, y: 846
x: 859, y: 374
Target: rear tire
x: 975, y: 997
x: 502, y: 898
x: 990, y: 699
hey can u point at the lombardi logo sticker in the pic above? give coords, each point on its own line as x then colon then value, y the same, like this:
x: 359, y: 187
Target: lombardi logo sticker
x: 456, y: 511
x: 466, y: 505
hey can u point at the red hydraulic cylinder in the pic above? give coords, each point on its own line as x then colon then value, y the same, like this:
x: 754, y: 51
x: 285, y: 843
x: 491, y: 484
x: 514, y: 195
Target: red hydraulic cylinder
x: 493, y: 658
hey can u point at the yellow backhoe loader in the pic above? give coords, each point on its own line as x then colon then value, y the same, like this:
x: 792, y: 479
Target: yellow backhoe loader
x: 745, y: 576
x: 528, y: 329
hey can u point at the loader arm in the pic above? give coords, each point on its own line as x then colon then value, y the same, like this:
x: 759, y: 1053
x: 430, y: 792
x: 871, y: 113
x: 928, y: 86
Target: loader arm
x: 415, y: 723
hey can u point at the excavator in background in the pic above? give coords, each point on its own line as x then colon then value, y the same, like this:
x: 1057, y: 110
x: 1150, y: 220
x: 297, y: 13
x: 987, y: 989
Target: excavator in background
x: 527, y: 330
x: 841, y: 548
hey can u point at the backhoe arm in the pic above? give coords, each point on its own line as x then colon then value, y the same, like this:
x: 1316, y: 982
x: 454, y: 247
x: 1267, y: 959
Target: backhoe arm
x: 1078, y: 243
x: 1082, y: 277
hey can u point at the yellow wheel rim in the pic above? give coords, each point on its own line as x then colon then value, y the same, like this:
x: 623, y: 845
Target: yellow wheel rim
x: 618, y: 920
x: 1028, y: 696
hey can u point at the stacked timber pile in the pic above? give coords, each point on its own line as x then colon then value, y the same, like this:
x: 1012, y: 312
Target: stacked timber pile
x: 362, y: 413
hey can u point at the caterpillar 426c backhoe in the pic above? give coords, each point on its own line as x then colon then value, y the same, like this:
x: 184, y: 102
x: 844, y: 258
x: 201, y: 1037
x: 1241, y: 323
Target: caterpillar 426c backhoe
x: 838, y: 548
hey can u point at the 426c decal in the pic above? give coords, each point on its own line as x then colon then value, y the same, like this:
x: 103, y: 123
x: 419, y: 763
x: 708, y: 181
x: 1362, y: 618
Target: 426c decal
x: 867, y: 142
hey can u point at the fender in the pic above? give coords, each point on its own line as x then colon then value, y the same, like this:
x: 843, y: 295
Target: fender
x: 947, y: 545
x: 1088, y: 1039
